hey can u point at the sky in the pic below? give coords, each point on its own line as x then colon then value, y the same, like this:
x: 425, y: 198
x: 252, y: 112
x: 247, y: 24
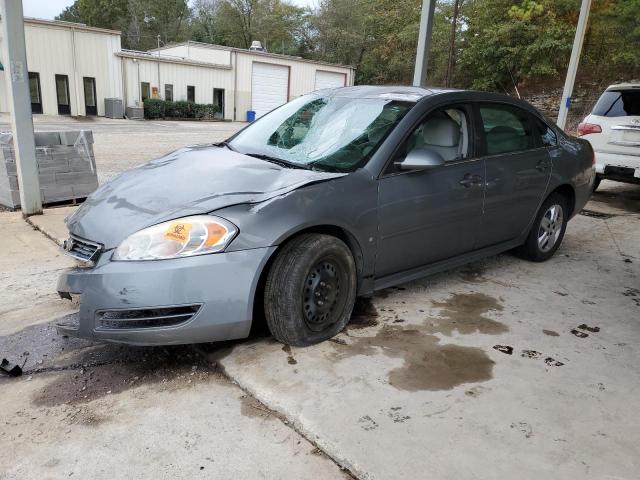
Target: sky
x: 50, y: 8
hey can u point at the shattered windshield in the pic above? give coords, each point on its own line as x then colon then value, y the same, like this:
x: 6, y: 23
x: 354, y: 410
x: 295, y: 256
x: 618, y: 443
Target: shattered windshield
x: 326, y: 132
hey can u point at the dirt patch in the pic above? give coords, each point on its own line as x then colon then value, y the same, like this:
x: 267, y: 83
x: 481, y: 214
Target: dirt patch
x: 290, y: 358
x: 594, y: 214
x: 363, y: 316
x: 623, y: 196
x: 427, y: 364
x: 250, y: 407
x: 551, y: 333
x: 170, y: 368
x: 473, y: 273
x: 465, y: 313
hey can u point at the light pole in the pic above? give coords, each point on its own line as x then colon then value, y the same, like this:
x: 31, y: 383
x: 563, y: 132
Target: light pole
x: 424, y: 42
x: 581, y: 29
x: 19, y: 99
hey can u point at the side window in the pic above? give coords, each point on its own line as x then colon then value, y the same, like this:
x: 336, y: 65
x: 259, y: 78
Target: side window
x: 506, y: 129
x: 445, y: 131
x: 546, y: 136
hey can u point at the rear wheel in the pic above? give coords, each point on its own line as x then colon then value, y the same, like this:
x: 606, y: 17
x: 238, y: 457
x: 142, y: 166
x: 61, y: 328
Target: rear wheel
x: 548, y: 229
x: 310, y: 290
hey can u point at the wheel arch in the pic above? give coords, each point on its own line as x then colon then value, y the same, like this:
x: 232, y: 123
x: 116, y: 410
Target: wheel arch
x: 258, y: 323
x: 568, y: 192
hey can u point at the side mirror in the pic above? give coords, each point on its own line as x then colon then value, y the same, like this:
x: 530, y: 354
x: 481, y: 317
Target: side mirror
x: 421, y: 159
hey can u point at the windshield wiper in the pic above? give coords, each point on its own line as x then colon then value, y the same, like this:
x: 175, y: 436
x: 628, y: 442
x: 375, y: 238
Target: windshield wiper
x: 279, y: 161
x: 225, y: 144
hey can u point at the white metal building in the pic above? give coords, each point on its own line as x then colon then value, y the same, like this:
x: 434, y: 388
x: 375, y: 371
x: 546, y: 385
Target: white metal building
x: 73, y: 68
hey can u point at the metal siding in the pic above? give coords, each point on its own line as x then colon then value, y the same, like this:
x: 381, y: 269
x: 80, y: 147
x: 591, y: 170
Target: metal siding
x: 50, y: 52
x: 301, y: 78
x: 204, y: 79
x: 325, y: 79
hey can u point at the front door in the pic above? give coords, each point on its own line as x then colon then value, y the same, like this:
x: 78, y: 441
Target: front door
x: 431, y: 215
x: 518, y: 168
x: 62, y: 94
x: 90, y: 103
x: 218, y: 101
x: 35, y: 93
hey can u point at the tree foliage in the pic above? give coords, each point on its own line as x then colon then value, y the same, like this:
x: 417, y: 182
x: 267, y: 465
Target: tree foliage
x: 484, y: 44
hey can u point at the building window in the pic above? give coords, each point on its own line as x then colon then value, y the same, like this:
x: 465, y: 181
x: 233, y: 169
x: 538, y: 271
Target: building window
x: 34, y: 92
x: 191, y: 94
x: 168, y: 92
x: 145, y: 91
x: 62, y: 94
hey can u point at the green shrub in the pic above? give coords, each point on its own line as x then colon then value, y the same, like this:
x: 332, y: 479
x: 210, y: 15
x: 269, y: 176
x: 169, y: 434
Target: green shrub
x: 205, y: 111
x: 154, y: 108
x: 180, y: 109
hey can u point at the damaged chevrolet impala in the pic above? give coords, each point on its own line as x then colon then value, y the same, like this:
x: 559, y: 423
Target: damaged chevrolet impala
x: 331, y: 196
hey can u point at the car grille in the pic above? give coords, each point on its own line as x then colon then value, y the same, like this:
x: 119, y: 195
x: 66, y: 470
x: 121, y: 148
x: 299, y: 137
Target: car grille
x: 145, y: 318
x: 81, y: 249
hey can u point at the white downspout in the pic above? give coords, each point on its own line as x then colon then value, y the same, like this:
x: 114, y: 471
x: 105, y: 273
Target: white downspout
x: 75, y: 72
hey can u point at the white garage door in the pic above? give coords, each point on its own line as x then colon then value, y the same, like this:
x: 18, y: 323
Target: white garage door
x: 329, y: 79
x: 269, y: 87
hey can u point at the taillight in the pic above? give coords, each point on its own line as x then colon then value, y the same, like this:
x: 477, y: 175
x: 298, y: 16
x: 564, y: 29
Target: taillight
x: 587, y: 128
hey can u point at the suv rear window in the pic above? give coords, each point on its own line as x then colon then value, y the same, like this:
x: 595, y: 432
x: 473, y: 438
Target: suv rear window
x: 618, y: 103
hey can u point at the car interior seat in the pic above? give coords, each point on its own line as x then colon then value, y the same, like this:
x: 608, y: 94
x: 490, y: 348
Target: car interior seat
x: 442, y: 135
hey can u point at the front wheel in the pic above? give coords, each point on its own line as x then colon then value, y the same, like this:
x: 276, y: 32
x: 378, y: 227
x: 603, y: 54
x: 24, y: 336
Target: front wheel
x: 548, y: 229
x: 310, y: 290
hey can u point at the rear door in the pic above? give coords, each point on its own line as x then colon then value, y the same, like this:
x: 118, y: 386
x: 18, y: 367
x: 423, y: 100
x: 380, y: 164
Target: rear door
x: 518, y: 168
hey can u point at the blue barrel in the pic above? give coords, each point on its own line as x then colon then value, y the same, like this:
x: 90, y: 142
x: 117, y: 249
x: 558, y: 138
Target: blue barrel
x: 251, y: 115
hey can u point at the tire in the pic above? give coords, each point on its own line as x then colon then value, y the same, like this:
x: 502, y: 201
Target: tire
x: 538, y: 247
x: 596, y: 182
x: 310, y: 290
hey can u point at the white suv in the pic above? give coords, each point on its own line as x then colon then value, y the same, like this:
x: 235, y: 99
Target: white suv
x: 613, y: 128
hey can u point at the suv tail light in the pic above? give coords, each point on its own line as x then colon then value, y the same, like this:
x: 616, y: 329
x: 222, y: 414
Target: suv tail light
x: 587, y: 128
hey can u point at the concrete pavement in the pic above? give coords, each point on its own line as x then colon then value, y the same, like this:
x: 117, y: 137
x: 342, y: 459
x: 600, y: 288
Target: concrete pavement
x: 501, y: 368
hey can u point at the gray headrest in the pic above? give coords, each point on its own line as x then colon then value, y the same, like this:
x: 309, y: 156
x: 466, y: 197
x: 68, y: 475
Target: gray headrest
x: 441, y: 132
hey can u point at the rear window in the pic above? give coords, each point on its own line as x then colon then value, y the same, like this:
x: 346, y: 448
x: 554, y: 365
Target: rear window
x: 618, y: 103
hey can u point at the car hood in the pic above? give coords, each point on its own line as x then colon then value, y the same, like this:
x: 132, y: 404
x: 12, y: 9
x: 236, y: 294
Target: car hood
x: 189, y: 181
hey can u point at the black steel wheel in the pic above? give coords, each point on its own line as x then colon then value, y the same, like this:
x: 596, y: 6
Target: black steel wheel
x: 310, y: 290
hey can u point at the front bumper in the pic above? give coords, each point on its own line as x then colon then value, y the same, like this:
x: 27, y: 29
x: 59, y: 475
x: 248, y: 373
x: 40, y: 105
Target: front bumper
x: 222, y: 285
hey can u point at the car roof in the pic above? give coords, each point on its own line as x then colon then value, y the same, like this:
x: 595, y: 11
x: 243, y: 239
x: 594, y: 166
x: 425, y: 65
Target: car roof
x: 395, y: 92
x: 624, y: 86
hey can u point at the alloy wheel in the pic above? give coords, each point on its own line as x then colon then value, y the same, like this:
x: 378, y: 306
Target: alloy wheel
x: 550, y: 228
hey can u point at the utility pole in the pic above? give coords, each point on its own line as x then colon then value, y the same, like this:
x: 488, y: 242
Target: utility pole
x: 19, y: 100
x: 424, y: 42
x: 581, y: 29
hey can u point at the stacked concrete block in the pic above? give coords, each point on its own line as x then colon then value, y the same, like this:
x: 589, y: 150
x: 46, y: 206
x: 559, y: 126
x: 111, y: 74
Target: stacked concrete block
x: 66, y: 166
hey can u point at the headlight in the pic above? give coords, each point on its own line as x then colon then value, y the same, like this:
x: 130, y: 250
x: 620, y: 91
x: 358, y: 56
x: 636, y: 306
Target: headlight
x: 184, y: 237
